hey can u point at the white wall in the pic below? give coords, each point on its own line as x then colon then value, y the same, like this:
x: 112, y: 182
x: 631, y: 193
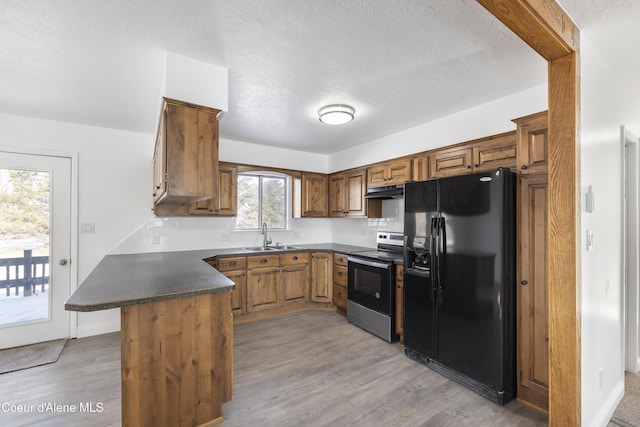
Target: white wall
x: 483, y: 120
x: 114, y: 181
x: 606, y: 105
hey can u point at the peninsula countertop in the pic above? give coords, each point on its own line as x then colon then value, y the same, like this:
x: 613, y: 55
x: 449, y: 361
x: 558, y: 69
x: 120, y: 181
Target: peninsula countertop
x: 121, y: 280
x: 130, y: 279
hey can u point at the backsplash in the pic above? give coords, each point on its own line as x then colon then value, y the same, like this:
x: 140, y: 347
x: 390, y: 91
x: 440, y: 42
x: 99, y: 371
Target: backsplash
x: 190, y: 233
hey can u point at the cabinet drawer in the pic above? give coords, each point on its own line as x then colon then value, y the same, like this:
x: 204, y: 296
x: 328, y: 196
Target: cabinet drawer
x: 340, y: 297
x: 263, y: 261
x: 234, y: 263
x: 340, y: 259
x: 294, y: 258
x: 340, y: 275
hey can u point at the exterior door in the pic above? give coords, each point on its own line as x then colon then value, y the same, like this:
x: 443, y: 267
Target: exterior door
x: 35, y: 248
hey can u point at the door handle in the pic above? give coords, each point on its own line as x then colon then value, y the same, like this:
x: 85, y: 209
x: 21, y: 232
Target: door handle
x: 63, y: 261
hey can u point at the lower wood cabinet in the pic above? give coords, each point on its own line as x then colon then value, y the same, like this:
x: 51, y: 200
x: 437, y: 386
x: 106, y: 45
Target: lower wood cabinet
x: 532, y: 293
x: 340, y: 282
x: 294, y: 279
x: 399, y: 299
x: 321, y: 277
x: 262, y: 288
x: 235, y: 269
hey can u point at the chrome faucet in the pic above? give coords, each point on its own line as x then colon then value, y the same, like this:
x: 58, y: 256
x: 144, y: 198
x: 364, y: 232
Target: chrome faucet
x: 266, y: 241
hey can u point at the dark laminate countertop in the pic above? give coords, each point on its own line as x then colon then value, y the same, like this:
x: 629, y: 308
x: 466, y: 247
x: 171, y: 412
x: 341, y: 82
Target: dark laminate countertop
x: 121, y: 280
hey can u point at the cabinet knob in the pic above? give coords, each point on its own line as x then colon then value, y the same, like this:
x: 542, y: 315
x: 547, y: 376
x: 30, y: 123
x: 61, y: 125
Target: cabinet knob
x: 468, y: 166
x: 524, y: 167
x: 339, y: 294
x: 475, y: 165
x: 295, y: 258
x: 339, y: 273
x: 232, y: 263
x: 524, y: 282
x: 264, y: 260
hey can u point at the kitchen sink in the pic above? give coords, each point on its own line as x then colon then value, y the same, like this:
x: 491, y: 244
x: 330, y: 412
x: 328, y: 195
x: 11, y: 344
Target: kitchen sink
x: 271, y: 248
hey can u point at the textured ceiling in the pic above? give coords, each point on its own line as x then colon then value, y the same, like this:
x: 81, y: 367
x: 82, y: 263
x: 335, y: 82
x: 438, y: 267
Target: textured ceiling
x: 399, y: 63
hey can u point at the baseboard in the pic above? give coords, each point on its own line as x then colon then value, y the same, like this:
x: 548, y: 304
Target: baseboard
x: 98, y: 329
x: 609, y: 407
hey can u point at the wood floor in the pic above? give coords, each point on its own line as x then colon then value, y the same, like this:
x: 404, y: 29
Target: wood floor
x: 309, y: 368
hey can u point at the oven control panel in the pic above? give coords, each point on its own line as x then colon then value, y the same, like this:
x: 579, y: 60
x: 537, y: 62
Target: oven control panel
x: 390, y: 238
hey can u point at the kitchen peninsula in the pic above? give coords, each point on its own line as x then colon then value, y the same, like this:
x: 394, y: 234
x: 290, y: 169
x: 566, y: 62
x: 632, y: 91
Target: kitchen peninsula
x: 176, y: 334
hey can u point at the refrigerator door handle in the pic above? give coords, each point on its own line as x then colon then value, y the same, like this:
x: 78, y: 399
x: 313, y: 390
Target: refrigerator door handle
x: 433, y: 247
x: 442, y: 251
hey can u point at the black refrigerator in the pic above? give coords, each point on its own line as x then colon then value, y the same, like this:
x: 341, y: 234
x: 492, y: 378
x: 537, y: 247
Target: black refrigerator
x: 459, y: 279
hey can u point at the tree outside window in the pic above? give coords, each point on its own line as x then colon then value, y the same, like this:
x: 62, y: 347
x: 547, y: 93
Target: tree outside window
x: 261, y: 198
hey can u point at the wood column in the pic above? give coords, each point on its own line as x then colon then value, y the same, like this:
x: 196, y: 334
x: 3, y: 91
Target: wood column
x: 544, y: 26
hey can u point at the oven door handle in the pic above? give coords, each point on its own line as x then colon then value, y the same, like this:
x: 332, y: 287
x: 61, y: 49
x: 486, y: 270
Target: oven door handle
x: 368, y: 263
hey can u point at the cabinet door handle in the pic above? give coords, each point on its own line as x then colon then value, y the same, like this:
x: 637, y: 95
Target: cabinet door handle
x: 295, y: 258
x: 339, y: 294
x: 339, y: 273
x: 524, y: 282
x: 524, y: 167
x: 264, y: 260
x: 476, y: 165
x: 468, y: 166
x: 232, y: 263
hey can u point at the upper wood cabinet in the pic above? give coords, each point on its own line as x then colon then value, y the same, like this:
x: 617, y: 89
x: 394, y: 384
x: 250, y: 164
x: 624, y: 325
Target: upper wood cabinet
x: 420, y: 168
x: 346, y: 196
x: 227, y: 191
x: 186, y: 154
x: 389, y: 173
x: 475, y: 156
x: 311, y: 196
x: 533, y: 143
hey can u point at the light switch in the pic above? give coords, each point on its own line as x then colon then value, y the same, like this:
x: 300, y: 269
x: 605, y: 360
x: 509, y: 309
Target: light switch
x: 589, y: 200
x: 589, y: 240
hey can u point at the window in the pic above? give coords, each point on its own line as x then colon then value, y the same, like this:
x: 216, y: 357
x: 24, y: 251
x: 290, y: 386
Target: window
x: 262, y: 198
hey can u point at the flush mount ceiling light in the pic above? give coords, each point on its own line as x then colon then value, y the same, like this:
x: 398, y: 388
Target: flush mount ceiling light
x: 336, y: 114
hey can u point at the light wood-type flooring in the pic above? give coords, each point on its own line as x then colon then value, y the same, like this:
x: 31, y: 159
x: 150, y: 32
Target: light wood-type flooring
x: 310, y: 368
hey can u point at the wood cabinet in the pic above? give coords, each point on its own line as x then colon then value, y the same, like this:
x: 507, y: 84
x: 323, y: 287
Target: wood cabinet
x: 294, y: 281
x: 340, y: 282
x: 389, y: 173
x: 399, y: 299
x: 186, y: 155
x: 321, y: 277
x: 227, y: 191
x: 277, y: 280
x: 532, y: 293
x: 533, y: 143
x: 235, y: 269
x: 262, y: 288
x: 311, y: 196
x: 346, y: 196
x: 420, y: 168
x: 474, y: 156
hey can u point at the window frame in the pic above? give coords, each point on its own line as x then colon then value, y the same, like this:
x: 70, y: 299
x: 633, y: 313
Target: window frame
x: 287, y: 200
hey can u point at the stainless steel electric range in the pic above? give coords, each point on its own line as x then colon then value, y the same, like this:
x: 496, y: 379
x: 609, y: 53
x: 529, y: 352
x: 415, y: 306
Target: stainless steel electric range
x: 371, y: 296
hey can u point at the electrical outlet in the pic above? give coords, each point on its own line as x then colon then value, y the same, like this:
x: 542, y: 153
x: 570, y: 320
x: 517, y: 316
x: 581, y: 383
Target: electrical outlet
x: 87, y: 227
x: 155, y: 240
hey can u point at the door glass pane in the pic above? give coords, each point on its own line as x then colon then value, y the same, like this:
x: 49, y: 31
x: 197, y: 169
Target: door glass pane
x: 24, y: 246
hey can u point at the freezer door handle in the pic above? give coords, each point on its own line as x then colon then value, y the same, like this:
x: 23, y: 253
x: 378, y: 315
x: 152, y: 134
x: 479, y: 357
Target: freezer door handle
x: 441, y: 250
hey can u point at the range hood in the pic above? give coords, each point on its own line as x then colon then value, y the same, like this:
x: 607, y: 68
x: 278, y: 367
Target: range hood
x: 389, y: 192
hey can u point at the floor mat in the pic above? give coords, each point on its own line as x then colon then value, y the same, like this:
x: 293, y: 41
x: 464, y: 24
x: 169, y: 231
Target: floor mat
x: 29, y: 356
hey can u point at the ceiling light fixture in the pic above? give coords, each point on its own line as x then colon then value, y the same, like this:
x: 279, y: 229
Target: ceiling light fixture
x: 336, y: 114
